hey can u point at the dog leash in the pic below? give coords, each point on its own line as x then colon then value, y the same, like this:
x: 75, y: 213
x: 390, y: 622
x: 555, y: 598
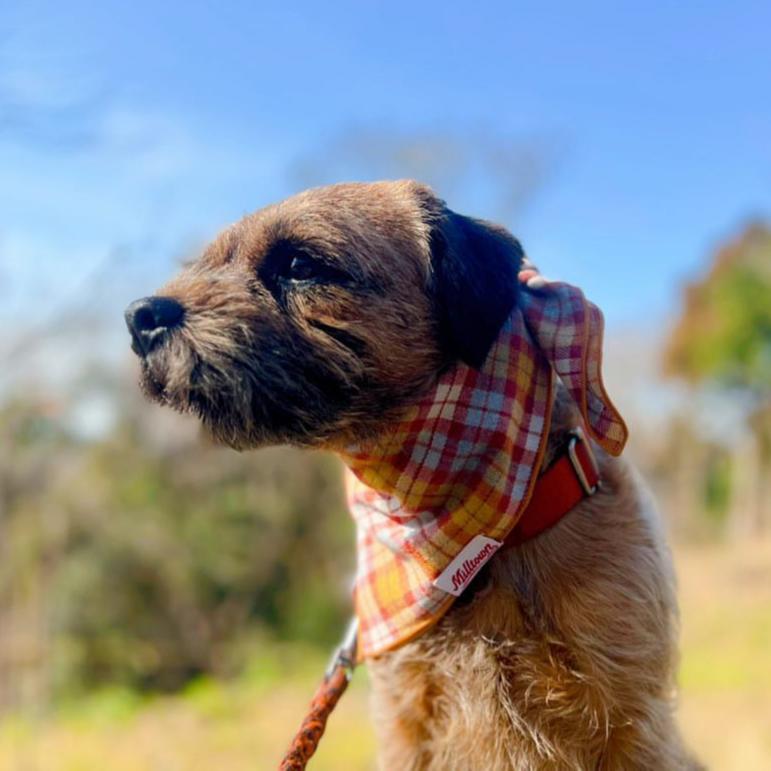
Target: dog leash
x: 573, y: 476
x: 332, y: 687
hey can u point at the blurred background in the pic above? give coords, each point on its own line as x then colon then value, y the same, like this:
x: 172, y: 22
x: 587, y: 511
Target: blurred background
x: 159, y: 608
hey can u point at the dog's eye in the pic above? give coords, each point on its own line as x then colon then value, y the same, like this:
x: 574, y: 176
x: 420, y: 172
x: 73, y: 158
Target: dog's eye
x: 301, y: 267
x: 288, y: 266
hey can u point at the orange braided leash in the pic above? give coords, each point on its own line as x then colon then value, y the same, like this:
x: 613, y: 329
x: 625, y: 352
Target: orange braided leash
x: 307, y: 738
x: 336, y: 680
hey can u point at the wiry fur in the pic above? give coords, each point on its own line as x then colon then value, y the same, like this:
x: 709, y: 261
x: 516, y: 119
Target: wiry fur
x: 562, y: 655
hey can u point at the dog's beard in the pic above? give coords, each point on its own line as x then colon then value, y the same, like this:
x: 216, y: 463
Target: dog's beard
x: 250, y: 394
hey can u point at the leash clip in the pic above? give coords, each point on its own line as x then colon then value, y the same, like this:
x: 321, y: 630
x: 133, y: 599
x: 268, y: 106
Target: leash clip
x: 576, y: 436
x: 344, y: 656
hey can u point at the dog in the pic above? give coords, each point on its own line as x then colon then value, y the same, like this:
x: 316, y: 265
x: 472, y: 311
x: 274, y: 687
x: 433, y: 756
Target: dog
x: 320, y: 322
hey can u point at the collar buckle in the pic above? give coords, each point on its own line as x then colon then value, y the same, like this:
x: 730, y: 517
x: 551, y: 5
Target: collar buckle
x: 577, y: 435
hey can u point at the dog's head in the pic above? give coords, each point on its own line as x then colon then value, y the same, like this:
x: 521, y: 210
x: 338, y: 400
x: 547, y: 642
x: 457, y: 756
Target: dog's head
x: 317, y: 320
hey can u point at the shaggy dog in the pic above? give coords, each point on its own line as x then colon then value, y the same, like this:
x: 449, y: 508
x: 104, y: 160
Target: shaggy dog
x: 317, y: 322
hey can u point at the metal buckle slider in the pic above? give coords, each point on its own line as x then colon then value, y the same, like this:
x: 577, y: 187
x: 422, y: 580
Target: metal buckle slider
x: 345, y: 654
x: 576, y: 436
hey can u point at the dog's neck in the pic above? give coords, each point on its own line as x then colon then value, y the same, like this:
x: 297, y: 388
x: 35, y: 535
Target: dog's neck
x: 474, y: 444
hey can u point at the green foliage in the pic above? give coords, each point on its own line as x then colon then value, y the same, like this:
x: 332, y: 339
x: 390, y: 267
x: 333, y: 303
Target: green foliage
x: 724, y: 333
x: 152, y: 563
x: 717, y: 493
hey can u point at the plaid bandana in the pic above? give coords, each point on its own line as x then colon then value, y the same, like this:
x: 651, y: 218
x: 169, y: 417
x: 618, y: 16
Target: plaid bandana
x: 463, y: 461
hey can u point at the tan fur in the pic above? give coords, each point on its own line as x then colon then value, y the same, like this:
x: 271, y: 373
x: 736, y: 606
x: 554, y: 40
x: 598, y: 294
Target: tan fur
x: 563, y: 653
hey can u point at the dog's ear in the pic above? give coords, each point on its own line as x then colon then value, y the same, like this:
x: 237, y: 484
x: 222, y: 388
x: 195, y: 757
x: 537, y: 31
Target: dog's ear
x: 475, y: 266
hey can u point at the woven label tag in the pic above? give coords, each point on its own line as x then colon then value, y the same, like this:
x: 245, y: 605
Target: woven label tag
x: 472, y: 558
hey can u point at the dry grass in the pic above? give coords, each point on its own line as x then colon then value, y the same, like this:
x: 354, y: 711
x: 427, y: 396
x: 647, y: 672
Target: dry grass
x: 726, y: 701
x: 726, y: 667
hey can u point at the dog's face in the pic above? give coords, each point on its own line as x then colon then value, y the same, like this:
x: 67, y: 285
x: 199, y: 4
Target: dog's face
x: 317, y: 320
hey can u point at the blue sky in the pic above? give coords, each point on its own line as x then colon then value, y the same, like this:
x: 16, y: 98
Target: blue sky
x: 138, y: 129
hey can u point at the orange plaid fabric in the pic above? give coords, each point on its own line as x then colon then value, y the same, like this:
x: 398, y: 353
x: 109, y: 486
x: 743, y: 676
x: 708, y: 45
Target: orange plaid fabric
x: 464, y: 460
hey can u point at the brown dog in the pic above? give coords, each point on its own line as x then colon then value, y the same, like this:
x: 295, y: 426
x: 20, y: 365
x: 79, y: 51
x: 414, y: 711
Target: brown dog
x: 317, y: 322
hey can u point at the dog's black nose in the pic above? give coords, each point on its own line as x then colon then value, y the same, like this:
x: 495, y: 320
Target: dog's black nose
x: 149, y: 319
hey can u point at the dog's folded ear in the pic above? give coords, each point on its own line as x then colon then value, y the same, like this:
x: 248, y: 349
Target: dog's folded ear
x: 475, y: 266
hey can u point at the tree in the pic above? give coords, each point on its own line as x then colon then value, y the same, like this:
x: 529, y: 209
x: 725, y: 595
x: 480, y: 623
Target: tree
x: 723, y: 339
x: 724, y: 332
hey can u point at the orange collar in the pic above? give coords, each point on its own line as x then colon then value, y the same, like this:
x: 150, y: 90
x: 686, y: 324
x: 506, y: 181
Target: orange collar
x: 572, y: 476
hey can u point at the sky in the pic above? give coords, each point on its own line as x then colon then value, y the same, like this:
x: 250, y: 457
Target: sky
x: 131, y: 132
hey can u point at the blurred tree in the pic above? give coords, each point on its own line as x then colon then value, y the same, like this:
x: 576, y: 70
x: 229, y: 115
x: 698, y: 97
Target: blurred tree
x: 724, y: 331
x: 723, y: 338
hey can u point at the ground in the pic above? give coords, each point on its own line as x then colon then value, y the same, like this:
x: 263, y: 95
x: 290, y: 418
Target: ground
x: 725, y: 705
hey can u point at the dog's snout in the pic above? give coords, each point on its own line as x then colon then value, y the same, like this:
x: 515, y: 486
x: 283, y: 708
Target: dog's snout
x: 149, y: 319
